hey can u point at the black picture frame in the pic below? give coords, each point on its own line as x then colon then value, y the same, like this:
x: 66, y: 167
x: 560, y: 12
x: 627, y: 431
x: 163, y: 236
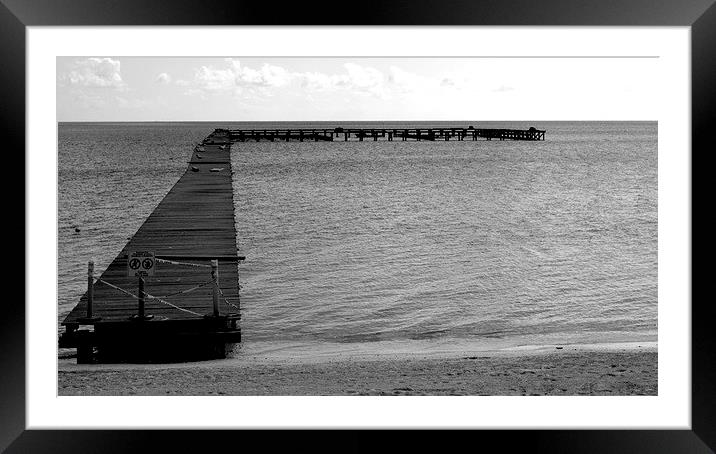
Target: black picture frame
x: 700, y: 15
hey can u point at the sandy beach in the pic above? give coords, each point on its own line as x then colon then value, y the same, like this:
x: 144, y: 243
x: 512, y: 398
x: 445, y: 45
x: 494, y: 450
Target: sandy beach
x: 605, y: 369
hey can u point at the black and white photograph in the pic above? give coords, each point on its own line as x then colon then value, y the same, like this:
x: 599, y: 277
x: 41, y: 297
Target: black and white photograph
x: 441, y: 226
x: 471, y: 219
x: 357, y: 226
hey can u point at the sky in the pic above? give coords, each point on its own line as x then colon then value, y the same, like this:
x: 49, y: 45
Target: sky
x: 341, y: 89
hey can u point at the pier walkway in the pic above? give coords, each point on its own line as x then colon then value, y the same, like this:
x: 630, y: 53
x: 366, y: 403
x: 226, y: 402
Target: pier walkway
x: 192, y: 226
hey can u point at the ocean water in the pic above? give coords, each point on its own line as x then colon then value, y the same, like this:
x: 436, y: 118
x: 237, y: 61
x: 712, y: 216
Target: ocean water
x: 364, y: 244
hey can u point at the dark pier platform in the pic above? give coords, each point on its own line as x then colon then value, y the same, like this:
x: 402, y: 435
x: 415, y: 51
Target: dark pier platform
x: 390, y: 134
x: 190, y: 305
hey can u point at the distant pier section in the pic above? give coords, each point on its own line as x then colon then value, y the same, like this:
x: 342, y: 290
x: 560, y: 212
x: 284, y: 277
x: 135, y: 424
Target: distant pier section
x: 389, y: 134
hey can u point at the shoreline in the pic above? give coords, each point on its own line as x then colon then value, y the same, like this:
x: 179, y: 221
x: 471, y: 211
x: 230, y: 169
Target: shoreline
x: 318, y: 352
x: 578, y: 369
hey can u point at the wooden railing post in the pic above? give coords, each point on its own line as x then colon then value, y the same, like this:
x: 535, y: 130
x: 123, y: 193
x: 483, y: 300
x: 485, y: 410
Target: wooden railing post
x: 140, y: 296
x: 215, y: 279
x: 90, y: 288
x: 141, y: 315
x: 90, y: 318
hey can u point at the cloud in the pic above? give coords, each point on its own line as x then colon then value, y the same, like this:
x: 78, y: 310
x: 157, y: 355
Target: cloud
x: 95, y: 72
x: 240, y: 79
x: 236, y: 78
x: 266, y: 76
x: 363, y: 80
x: 314, y: 81
x: 246, y: 80
x: 367, y: 79
x: 461, y: 81
x: 163, y: 79
x: 503, y: 88
x: 212, y: 79
x: 408, y: 82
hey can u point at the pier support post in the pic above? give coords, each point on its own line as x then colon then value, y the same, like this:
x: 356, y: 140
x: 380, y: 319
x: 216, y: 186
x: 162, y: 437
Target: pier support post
x: 90, y: 287
x: 140, y: 294
x: 215, y: 279
x: 141, y: 315
x: 85, y: 354
x: 90, y: 295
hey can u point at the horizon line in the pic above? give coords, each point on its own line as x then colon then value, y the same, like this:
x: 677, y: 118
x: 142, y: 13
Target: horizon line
x: 339, y: 121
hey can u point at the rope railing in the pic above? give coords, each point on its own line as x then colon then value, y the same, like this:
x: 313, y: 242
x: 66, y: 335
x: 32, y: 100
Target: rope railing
x: 189, y: 290
x: 147, y: 295
x: 227, y: 301
x: 172, y: 305
x: 172, y: 262
x: 118, y: 288
x: 141, y: 294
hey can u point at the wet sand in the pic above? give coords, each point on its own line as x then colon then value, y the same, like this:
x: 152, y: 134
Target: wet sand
x: 611, y: 370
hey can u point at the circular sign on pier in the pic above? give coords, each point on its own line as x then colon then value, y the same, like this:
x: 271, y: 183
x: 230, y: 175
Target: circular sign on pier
x: 140, y: 263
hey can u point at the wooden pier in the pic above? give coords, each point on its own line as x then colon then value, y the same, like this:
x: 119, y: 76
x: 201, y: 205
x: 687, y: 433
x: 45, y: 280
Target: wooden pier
x: 189, y: 308
x: 184, y: 304
x: 390, y: 134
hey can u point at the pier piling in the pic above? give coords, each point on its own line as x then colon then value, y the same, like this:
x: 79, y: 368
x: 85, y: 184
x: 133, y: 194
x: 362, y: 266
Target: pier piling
x: 215, y: 281
x: 90, y: 287
x: 141, y: 313
x: 90, y: 317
